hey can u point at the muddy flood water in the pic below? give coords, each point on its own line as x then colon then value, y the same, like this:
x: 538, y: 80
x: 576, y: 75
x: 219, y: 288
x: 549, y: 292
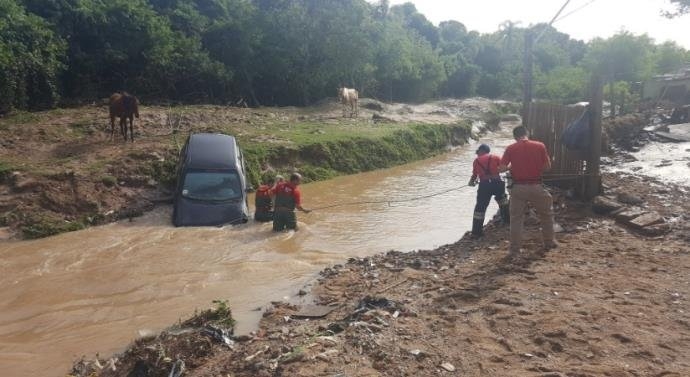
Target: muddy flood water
x: 98, y: 289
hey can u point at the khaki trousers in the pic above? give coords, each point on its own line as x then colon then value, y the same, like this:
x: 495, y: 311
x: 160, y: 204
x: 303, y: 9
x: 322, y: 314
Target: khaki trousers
x: 542, y: 202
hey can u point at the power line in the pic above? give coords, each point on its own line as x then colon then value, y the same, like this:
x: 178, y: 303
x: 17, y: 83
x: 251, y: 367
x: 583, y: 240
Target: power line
x: 575, y: 10
x: 552, y: 21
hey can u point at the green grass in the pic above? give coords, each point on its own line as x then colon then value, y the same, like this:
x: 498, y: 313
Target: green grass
x: 45, y: 227
x: 82, y: 128
x: 19, y: 117
x: 322, y: 151
x: 109, y: 180
x: 5, y: 170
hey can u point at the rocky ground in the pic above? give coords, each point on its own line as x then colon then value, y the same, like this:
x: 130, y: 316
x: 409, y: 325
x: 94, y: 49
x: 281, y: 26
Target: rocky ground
x: 612, y: 300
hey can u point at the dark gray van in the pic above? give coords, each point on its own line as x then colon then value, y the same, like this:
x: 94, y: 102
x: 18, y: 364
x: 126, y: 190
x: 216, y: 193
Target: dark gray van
x: 211, y: 182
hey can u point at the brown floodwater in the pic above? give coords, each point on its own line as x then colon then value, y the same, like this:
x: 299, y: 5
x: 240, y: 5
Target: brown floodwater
x: 98, y: 289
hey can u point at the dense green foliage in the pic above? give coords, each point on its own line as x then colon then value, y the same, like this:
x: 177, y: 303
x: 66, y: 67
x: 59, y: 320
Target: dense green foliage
x: 30, y: 59
x: 290, y: 52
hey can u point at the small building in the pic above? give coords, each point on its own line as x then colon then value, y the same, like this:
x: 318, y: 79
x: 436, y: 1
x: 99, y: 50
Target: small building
x: 671, y: 87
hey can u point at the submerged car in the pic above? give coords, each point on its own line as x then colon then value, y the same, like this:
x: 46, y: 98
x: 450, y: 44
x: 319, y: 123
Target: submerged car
x: 211, y: 182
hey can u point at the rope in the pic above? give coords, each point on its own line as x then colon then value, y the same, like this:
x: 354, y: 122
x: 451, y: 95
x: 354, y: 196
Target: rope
x: 390, y: 200
x: 550, y: 179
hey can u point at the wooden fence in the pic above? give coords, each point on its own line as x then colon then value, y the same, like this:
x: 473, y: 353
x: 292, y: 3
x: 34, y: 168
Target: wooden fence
x: 546, y: 123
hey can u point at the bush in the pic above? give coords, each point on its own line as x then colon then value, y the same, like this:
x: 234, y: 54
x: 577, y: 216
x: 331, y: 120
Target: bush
x: 109, y: 180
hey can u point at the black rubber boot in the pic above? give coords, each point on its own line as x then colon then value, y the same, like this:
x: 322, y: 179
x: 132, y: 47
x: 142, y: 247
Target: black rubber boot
x: 505, y: 213
x: 477, y: 228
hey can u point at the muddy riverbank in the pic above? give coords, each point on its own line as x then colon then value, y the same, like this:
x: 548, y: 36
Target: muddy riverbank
x: 609, y: 301
x: 59, y: 170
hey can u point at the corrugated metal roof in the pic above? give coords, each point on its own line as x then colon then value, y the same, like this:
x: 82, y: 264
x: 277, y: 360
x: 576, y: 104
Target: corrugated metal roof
x: 681, y: 74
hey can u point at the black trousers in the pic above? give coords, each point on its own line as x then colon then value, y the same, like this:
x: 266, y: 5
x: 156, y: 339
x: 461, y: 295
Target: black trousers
x: 487, y: 189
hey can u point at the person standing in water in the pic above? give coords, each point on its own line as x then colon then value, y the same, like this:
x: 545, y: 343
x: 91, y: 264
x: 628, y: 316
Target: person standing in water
x: 288, y: 198
x: 263, y: 201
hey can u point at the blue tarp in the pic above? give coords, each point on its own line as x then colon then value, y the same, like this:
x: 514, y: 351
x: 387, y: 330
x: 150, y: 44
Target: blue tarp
x: 576, y: 135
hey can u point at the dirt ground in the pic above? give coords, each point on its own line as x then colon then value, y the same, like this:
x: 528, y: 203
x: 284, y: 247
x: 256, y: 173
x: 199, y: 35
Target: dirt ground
x: 608, y: 302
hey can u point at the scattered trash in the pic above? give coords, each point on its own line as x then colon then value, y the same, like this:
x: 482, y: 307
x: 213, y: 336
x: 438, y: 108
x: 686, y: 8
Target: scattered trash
x: 415, y: 352
x: 312, y: 311
x: 177, y: 369
x: 257, y: 353
x: 219, y: 334
x: 448, y: 366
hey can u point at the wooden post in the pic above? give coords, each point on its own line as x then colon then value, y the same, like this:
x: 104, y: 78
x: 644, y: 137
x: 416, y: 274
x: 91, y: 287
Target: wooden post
x: 527, y: 77
x: 612, y: 98
x: 596, y: 102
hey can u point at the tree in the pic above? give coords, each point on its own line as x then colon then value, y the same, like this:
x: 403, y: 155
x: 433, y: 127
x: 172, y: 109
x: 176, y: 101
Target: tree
x: 507, y: 32
x: 562, y: 84
x: 458, y: 49
x: 623, y: 57
x: 31, y: 58
x: 406, y: 66
x: 681, y: 7
x: 669, y: 57
x: 407, y: 13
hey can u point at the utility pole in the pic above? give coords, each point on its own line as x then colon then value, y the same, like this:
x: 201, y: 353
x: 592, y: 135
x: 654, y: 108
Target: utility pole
x: 530, y: 40
x: 527, y: 77
x: 593, y: 178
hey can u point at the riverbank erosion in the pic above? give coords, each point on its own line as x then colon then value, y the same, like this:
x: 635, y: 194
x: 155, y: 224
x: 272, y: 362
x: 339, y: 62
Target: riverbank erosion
x: 60, y: 170
x: 610, y: 301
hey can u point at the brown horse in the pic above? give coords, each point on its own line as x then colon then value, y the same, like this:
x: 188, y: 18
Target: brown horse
x: 124, y: 106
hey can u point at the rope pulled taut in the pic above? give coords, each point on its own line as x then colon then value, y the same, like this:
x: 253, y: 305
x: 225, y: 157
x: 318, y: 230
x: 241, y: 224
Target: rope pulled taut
x: 389, y: 201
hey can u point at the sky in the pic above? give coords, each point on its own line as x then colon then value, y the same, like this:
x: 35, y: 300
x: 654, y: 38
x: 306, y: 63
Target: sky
x: 596, y: 18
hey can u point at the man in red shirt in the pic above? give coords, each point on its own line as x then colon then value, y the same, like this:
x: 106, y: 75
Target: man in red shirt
x: 527, y: 160
x: 485, y: 168
x: 288, y: 197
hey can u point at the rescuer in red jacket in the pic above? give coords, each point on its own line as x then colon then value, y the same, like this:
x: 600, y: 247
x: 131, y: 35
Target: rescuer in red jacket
x: 485, y: 169
x: 263, y: 201
x: 288, y: 198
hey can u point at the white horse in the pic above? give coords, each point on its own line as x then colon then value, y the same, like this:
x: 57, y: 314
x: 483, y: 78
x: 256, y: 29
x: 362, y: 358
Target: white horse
x: 349, y: 98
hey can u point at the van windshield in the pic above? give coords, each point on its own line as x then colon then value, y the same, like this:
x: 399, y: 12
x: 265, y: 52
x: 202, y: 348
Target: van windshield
x: 212, y: 185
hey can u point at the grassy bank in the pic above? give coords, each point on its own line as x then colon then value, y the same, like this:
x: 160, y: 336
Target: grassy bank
x: 357, y: 152
x: 62, y: 172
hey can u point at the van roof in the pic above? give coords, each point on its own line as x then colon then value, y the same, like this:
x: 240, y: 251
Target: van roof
x: 211, y: 151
